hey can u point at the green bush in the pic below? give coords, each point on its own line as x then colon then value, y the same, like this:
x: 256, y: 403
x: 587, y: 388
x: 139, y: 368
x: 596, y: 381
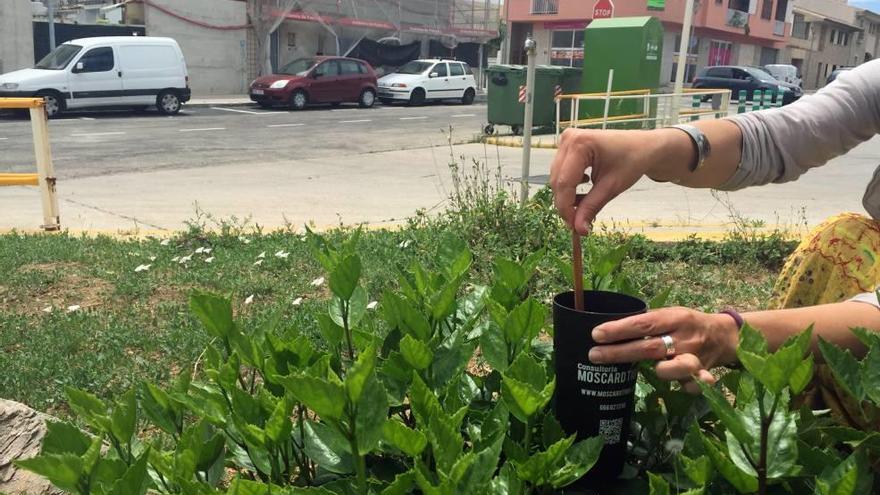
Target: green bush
x: 400, y: 401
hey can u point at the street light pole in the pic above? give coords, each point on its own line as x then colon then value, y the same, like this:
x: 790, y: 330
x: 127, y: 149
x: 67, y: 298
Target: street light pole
x: 50, y: 12
x: 682, y: 57
x: 531, y: 49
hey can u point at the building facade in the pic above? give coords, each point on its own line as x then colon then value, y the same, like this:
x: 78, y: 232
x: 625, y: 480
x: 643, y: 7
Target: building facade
x: 742, y: 32
x: 16, y: 35
x: 821, y: 43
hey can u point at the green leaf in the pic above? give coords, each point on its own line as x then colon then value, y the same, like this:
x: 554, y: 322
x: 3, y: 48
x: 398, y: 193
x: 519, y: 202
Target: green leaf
x: 494, y: 426
x: 850, y: 477
x: 90, y: 458
x: 867, y: 337
x: 471, y: 476
x: 359, y: 372
x: 506, y: 482
x: 372, y: 410
x: 443, y: 302
x: 333, y: 333
x: 658, y: 486
x: 327, y: 399
x: 156, y: 405
x: 801, y: 376
x: 453, y: 255
x: 751, y: 340
x: 135, y: 480
x: 551, y: 430
x: 871, y: 374
x: 510, y: 273
x: 524, y: 322
x: 64, y: 438
x: 493, y: 347
x: 540, y: 467
x: 279, y: 425
x: 62, y: 470
x: 527, y: 370
x: 659, y: 300
x: 844, y: 367
x: 579, y: 459
x: 416, y: 354
x: 345, y: 276
x: 215, y: 313
x: 402, y: 485
x: 522, y: 399
x: 781, y: 439
x: 85, y: 405
x: 414, y: 322
x: 451, y: 358
x: 410, y: 442
x: 328, y: 448
x: 124, y: 418
x: 699, y: 470
x: 815, y: 459
x: 743, y: 482
x: 731, y: 419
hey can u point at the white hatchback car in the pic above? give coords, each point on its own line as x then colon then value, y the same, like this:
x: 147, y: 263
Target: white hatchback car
x: 432, y: 79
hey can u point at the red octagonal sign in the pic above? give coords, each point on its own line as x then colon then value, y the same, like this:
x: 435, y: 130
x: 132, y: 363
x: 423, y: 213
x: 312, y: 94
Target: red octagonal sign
x: 603, y: 9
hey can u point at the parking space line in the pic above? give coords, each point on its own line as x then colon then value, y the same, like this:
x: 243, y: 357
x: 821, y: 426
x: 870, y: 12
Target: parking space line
x: 236, y: 110
x: 203, y: 129
x: 464, y: 115
x: 354, y: 121
x: 3, y: 139
x: 285, y: 125
x: 414, y: 118
x: 86, y: 118
x: 91, y: 134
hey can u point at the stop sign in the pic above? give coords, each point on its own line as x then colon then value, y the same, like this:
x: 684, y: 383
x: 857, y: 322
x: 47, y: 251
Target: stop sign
x: 603, y: 9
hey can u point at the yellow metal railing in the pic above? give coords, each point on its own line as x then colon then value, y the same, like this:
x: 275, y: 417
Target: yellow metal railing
x: 44, y: 179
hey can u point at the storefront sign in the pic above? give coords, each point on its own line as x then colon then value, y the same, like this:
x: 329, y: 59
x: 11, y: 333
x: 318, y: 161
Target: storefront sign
x: 578, y: 25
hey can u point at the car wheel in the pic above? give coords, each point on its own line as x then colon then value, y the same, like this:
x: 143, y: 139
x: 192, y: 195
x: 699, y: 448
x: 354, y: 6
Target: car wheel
x: 298, y: 100
x: 468, y: 97
x: 367, y: 99
x: 53, y: 103
x: 168, y: 102
x: 489, y: 129
x: 417, y: 97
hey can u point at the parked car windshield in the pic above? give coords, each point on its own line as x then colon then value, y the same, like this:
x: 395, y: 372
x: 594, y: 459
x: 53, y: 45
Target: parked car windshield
x: 299, y: 67
x: 414, y: 67
x: 59, y: 58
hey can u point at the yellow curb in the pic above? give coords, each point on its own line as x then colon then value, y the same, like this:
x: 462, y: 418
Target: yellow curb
x: 517, y: 142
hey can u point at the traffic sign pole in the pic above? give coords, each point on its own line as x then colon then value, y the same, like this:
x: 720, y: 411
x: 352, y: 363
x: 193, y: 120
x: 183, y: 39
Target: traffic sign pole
x: 682, y: 58
x: 527, y: 121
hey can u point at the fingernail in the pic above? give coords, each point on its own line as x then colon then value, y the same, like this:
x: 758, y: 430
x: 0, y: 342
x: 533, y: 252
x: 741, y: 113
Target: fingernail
x: 598, y: 335
x: 595, y: 356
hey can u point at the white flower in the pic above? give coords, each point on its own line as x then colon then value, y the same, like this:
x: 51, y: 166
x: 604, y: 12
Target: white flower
x: 47, y: 309
x: 244, y: 239
x: 175, y: 259
x: 165, y: 242
x: 297, y: 301
x: 249, y: 299
x: 258, y: 262
x: 404, y: 244
x: 207, y: 250
x: 209, y: 260
x: 71, y: 309
x: 185, y: 259
x: 152, y: 258
x: 142, y: 268
x: 282, y: 254
x: 262, y: 255
x: 200, y: 250
x: 372, y: 304
x: 674, y: 446
x: 318, y: 282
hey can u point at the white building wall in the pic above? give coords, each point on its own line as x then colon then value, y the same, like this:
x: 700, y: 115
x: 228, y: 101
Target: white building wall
x: 216, y: 59
x: 16, y: 35
x: 303, y: 39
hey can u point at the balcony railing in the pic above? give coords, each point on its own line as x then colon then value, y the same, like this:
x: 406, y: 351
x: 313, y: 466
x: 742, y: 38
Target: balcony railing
x: 545, y: 6
x: 737, y: 18
x: 779, y: 28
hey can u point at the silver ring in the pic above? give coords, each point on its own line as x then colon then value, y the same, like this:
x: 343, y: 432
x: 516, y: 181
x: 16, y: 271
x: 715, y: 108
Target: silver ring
x: 669, y: 344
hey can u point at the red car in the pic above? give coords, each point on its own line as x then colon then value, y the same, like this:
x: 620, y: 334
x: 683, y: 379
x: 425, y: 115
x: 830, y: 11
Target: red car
x: 317, y: 80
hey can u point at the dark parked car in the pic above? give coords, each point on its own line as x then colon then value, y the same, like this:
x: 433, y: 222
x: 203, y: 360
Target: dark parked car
x: 317, y: 80
x: 750, y: 79
x: 836, y: 72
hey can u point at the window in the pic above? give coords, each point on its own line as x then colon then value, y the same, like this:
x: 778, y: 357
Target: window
x: 349, y: 68
x: 741, y: 5
x: 740, y: 74
x: 362, y: 68
x: 545, y: 6
x: 97, y: 60
x: 767, y: 9
x: 689, y: 71
x: 833, y: 37
x: 567, y: 48
x: 720, y: 52
x: 693, y: 49
x: 327, y: 69
x: 456, y: 70
x: 440, y: 70
x: 781, y: 10
x: 799, y: 28
x: 59, y: 58
x: 722, y: 72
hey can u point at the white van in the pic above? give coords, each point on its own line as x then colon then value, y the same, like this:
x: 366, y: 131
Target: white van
x: 135, y: 71
x: 785, y: 73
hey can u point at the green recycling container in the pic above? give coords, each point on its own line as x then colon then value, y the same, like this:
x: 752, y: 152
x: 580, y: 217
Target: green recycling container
x: 571, y: 84
x: 632, y: 46
x: 505, y: 82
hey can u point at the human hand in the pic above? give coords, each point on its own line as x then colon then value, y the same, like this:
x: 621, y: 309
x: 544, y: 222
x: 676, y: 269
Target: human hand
x: 616, y: 159
x: 702, y: 341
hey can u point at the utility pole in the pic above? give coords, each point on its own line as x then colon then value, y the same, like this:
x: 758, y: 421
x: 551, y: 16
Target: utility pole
x: 683, y: 49
x: 531, y: 49
x: 508, y: 27
x: 50, y: 12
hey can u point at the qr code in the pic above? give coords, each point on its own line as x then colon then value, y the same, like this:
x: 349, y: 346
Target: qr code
x: 610, y: 429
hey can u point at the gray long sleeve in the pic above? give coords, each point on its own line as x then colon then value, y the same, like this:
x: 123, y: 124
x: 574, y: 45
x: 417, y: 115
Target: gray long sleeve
x: 781, y: 144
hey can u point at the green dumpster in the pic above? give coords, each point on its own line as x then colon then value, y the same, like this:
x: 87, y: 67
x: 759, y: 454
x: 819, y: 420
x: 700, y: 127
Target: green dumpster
x: 505, y: 82
x: 632, y: 46
x: 571, y: 84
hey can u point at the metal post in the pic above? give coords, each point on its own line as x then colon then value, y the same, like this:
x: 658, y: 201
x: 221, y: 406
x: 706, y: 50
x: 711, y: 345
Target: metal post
x: 608, y: 98
x: 682, y: 56
x: 480, y: 64
x: 527, y: 120
x: 50, y: 12
x: 45, y: 171
x: 558, y: 117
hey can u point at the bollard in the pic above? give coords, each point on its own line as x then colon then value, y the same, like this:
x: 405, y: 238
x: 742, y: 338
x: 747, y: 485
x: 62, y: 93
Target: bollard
x: 697, y: 101
x: 741, y: 100
x: 756, y: 100
x: 768, y: 100
x: 779, y: 96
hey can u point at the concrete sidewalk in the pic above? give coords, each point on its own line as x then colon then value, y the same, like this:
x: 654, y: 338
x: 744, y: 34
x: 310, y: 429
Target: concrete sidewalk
x: 382, y: 189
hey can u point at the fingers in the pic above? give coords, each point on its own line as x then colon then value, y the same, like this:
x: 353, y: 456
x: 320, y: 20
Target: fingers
x: 590, y: 206
x: 628, y: 352
x: 692, y: 387
x: 644, y: 325
x: 681, y: 367
x: 566, y: 172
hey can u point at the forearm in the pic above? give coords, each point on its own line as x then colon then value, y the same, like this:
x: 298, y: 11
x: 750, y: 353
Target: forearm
x: 832, y: 322
x: 674, y: 154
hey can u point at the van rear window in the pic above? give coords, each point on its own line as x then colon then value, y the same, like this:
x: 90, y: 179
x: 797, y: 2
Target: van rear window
x: 148, y: 57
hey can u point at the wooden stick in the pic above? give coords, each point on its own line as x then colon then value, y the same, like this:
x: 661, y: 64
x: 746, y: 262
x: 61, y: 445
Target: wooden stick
x: 578, y: 269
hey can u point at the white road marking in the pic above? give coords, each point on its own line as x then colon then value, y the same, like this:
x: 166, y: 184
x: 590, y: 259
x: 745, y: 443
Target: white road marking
x: 86, y: 118
x: 285, y: 125
x: 354, y: 121
x: 464, y: 115
x: 203, y: 129
x: 3, y: 139
x: 236, y: 110
x: 413, y: 118
x: 91, y: 134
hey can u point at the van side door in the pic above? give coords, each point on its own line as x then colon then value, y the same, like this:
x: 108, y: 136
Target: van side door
x: 94, y: 79
x: 148, y: 69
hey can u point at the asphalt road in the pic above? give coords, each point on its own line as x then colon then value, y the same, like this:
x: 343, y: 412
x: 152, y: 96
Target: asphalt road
x: 97, y: 143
